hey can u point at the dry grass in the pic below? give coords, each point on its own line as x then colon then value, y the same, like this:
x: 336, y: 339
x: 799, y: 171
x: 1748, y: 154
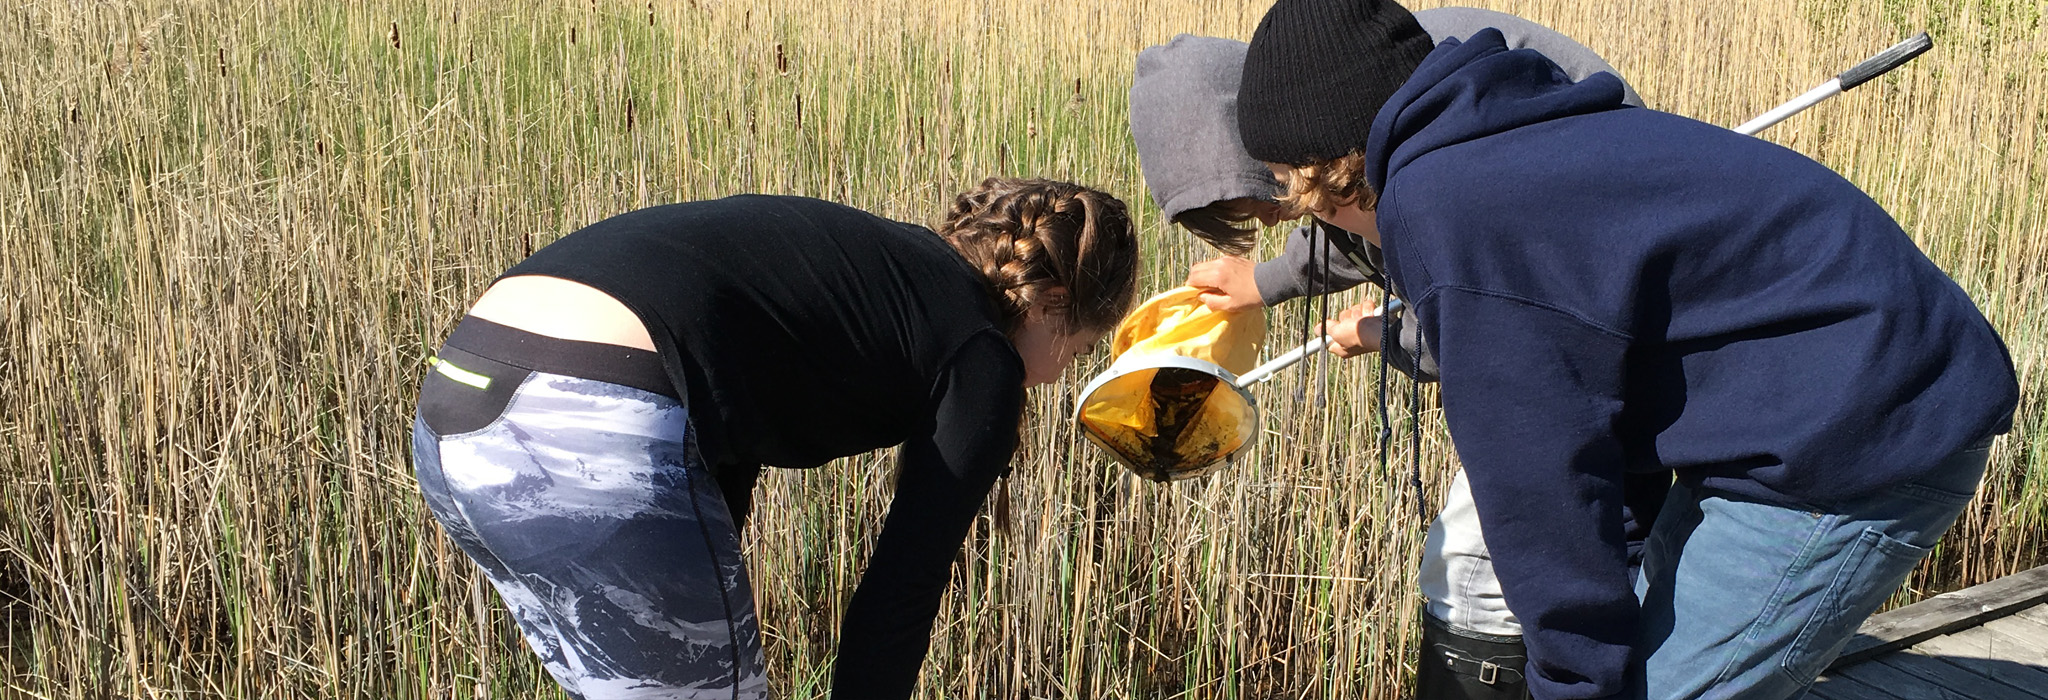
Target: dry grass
x: 230, y: 232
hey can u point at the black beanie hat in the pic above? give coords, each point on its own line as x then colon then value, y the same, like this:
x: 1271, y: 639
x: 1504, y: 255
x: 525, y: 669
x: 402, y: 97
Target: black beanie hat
x: 1318, y: 72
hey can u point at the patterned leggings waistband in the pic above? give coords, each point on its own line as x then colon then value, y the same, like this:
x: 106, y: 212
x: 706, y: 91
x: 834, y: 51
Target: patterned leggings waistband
x: 617, y: 364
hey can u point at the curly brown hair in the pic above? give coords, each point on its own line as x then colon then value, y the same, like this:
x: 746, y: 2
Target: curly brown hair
x: 1326, y: 185
x: 1027, y: 236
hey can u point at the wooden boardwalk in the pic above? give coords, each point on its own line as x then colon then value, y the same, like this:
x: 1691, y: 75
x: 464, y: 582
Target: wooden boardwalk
x: 1987, y: 642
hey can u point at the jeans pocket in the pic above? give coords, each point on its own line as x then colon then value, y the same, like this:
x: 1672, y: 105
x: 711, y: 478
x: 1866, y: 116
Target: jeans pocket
x: 1871, y: 569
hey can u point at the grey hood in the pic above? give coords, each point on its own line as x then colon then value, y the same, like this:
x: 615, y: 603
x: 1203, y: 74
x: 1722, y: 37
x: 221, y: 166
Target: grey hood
x: 1184, y: 119
x: 1184, y: 105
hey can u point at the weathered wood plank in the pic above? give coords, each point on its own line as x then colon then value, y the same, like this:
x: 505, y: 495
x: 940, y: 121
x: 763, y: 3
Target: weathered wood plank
x: 1951, y: 677
x: 2030, y: 617
x: 2026, y: 633
x: 1945, y: 613
x: 1846, y: 688
x: 1982, y: 652
x: 2038, y: 613
x: 1905, y: 685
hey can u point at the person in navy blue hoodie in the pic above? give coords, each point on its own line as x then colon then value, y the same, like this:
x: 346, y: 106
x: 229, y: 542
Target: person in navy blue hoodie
x: 1611, y: 289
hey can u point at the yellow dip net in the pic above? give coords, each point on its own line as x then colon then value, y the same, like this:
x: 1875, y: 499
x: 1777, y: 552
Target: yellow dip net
x: 1168, y: 407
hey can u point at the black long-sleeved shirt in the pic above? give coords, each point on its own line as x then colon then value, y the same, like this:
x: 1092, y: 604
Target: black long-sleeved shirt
x: 802, y: 331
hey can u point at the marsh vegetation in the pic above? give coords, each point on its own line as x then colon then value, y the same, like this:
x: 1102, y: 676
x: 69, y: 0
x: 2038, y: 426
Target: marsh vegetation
x: 231, y: 233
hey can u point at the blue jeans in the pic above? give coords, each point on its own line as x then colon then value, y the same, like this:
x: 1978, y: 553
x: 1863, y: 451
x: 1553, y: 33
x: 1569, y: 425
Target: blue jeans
x: 1749, y: 600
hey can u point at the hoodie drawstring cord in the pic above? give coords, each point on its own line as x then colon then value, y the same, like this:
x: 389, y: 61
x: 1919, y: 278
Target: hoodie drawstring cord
x: 1414, y: 434
x: 1386, y: 435
x: 1388, y: 341
x: 1307, y: 325
x: 1322, y: 242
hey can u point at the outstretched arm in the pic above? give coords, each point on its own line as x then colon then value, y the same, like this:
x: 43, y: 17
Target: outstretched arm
x: 1300, y: 271
x: 946, y: 474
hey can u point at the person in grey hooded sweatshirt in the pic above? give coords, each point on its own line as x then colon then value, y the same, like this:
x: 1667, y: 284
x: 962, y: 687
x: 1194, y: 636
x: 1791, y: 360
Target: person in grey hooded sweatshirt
x: 1184, y: 120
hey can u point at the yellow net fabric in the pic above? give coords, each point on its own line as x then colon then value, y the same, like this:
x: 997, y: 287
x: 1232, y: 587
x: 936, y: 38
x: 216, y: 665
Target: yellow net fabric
x: 1167, y: 407
x: 1176, y: 322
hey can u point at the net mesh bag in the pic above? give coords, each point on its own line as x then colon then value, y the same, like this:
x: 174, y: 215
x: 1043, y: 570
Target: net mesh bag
x: 1169, y: 407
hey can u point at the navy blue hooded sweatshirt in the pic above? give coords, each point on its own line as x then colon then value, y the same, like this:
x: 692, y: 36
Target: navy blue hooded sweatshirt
x: 1612, y: 289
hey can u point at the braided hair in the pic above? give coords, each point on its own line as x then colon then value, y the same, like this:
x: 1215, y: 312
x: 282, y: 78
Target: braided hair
x: 1027, y: 236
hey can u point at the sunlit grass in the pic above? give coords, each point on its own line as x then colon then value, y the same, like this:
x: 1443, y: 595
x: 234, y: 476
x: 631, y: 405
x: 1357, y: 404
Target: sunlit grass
x: 230, y: 232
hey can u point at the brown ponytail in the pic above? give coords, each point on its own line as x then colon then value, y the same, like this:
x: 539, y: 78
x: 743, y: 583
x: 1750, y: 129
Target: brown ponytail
x: 1028, y: 236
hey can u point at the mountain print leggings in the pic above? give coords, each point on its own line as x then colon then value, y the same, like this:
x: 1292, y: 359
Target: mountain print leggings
x: 569, y: 472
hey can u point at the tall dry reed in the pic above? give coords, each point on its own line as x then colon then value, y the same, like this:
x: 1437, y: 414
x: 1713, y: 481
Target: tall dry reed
x: 231, y: 232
